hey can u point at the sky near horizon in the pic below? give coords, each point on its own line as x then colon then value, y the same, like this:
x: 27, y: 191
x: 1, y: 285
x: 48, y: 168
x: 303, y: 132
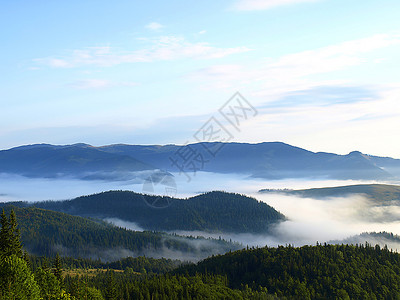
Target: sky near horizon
x: 323, y: 75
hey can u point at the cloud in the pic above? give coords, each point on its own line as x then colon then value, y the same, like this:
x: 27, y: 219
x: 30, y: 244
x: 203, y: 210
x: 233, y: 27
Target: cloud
x: 219, y: 76
x: 98, y: 84
x: 249, y: 5
x: 367, y: 121
x: 304, y: 100
x: 90, y: 84
x: 332, y: 58
x: 293, y: 72
x: 57, y: 63
x: 164, y: 48
x: 154, y: 26
x: 324, y: 96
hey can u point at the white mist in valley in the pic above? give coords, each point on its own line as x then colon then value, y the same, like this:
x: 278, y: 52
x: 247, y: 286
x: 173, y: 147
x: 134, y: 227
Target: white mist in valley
x: 124, y: 224
x: 312, y: 220
x: 319, y: 220
x: 20, y: 188
x: 245, y: 184
x: 309, y: 220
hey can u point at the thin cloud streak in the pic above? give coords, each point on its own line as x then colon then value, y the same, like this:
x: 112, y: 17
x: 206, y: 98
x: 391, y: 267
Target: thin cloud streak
x: 99, y: 84
x: 154, y: 26
x: 164, y: 48
x: 251, y: 5
x: 292, y: 72
x: 338, y: 127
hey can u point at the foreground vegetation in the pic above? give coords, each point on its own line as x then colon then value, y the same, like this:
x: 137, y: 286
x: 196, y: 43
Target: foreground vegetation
x: 29, y: 277
x: 309, y: 272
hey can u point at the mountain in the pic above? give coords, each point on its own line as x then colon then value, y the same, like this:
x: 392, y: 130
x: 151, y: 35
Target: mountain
x: 272, y: 160
x: 388, y: 164
x: 381, y: 194
x: 45, y: 232
x: 45, y: 160
x: 309, y: 272
x: 392, y: 241
x: 212, y: 212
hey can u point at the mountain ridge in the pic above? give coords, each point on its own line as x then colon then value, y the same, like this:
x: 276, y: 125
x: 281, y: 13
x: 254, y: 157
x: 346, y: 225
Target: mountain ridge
x: 269, y: 160
x: 382, y: 194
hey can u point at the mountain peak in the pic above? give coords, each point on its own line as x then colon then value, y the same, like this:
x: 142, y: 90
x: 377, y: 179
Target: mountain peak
x: 81, y: 145
x: 354, y: 153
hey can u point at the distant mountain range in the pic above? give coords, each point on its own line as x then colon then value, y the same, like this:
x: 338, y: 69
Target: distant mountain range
x: 272, y: 160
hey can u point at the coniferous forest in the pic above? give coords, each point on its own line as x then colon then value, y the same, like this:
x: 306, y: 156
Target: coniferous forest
x: 212, y: 211
x: 45, y: 232
x: 309, y: 272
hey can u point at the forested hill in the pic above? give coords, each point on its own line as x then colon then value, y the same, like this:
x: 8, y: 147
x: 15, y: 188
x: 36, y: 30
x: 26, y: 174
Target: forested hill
x: 310, y: 272
x: 45, y: 232
x: 212, y: 212
x: 383, y: 238
x: 379, y: 193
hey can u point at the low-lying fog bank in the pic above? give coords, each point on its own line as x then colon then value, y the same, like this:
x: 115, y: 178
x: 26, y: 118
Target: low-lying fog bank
x: 310, y: 220
x: 16, y: 188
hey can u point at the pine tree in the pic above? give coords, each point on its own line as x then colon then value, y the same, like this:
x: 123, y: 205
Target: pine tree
x: 48, y: 283
x: 10, y: 236
x: 25, y: 256
x: 45, y: 264
x: 4, y: 234
x: 15, y: 243
x: 111, y: 287
x: 16, y: 280
x: 58, y: 268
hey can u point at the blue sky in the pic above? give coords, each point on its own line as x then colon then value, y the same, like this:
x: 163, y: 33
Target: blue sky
x: 322, y: 74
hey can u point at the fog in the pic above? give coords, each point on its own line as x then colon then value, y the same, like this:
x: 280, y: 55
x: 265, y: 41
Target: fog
x: 19, y: 188
x: 312, y: 220
x: 124, y: 224
x: 245, y: 184
x: 200, y: 249
x: 309, y: 220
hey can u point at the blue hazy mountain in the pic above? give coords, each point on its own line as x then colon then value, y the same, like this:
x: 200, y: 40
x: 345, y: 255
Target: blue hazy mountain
x: 78, y: 160
x: 272, y: 160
